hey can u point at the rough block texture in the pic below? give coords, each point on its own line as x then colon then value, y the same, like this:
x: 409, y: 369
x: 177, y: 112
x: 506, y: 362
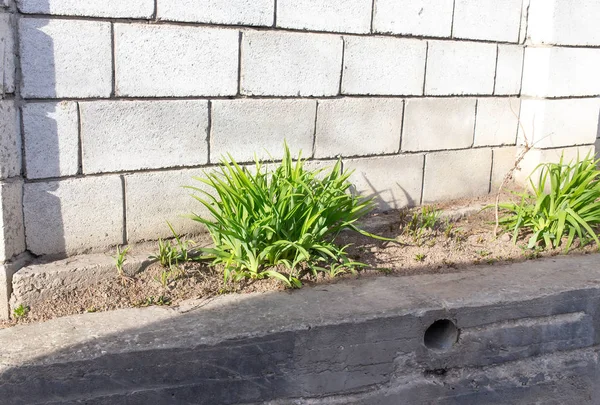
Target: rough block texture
x: 12, y: 241
x: 561, y: 72
x: 460, y: 68
x: 235, y: 12
x: 10, y: 140
x: 383, y: 66
x: 504, y: 162
x: 51, y: 134
x: 56, y: 63
x: 437, y: 124
x: 497, y: 121
x: 325, y: 15
x: 558, y: 123
x: 509, y: 70
x: 133, y: 135
x: 358, y: 126
x: 535, y: 157
x: 290, y: 64
x: 89, y: 8
x: 7, y: 271
x: 155, y: 198
x: 39, y: 281
x: 456, y: 174
x: 395, y: 181
x: 528, y: 334
x: 431, y: 18
x: 163, y: 60
x: 564, y: 22
x: 258, y: 128
x: 73, y: 215
x: 493, y: 20
x: 7, y: 54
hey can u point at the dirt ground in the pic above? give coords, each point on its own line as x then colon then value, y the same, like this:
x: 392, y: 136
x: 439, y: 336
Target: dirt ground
x: 449, y: 245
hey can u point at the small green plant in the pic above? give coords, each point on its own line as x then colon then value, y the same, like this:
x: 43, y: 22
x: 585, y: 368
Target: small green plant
x: 420, y: 257
x: 448, y: 229
x: 483, y: 253
x: 158, y: 301
x: 565, y: 203
x: 21, y: 311
x: 164, y: 278
x: 336, y: 269
x: 172, y: 254
x: 120, y: 259
x: 286, y: 216
x: 385, y: 270
x: 426, y: 219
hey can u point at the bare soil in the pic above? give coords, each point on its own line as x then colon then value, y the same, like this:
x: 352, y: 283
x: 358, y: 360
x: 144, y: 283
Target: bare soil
x: 450, y: 245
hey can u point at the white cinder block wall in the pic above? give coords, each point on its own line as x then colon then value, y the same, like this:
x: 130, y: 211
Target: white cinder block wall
x: 109, y: 106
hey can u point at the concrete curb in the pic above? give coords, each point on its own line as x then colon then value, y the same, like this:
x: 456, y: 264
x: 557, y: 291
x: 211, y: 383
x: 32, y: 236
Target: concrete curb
x: 526, y: 333
x: 39, y: 281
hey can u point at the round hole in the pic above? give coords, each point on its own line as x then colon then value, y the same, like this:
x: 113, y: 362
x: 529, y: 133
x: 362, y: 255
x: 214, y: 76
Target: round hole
x: 441, y: 335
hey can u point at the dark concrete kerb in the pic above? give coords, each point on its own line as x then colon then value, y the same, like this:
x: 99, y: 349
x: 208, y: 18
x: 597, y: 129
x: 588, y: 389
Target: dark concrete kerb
x: 519, y: 334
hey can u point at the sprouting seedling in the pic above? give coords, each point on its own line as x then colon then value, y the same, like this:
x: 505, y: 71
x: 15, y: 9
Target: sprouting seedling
x: 21, y: 311
x: 120, y: 259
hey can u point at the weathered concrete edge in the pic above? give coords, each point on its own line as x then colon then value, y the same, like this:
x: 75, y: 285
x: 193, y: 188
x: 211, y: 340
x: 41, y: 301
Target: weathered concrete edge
x: 34, y: 281
x: 38, y: 281
x: 232, y: 316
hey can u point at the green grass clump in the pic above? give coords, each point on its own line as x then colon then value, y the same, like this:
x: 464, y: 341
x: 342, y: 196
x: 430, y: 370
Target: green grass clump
x: 565, y: 202
x: 21, y: 311
x: 283, y: 217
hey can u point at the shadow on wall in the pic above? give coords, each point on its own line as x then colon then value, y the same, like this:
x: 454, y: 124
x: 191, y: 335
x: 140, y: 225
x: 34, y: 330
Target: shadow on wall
x: 43, y: 211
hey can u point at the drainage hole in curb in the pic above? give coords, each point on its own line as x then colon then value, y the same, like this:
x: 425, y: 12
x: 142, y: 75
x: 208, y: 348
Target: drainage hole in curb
x: 441, y: 335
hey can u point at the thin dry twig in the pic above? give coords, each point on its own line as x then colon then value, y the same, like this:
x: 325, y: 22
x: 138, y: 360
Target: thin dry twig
x: 527, y: 146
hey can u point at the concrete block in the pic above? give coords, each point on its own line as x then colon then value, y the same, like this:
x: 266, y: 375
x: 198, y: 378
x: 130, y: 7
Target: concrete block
x: 10, y: 140
x: 74, y: 215
x: 564, y: 22
x: 557, y: 123
x: 503, y: 162
x: 39, y: 281
x: 460, y: 68
x: 438, y: 123
x: 358, y: 126
x: 394, y: 181
x: 325, y: 15
x: 12, y: 236
x: 158, y: 197
x: 561, y: 72
x: 55, y: 63
x: 493, y: 20
x: 456, y: 174
x: 230, y: 12
x: 535, y: 157
x: 497, y: 121
x: 509, y: 70
x: 290, y: 64
x: 133, y: 135
x: 430, y: 18
x: 89, y: 8
x: 249, y: 128
x: 174, y: 60
x: 51, y: 135
x: 7, y: 271
x: 384, y: 66
x: 7, y: 54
